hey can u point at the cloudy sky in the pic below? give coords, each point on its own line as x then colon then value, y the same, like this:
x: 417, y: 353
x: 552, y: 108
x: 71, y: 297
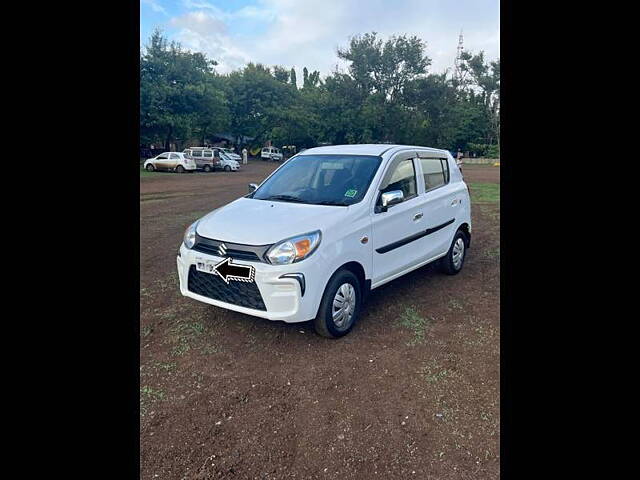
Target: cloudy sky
x: 299, y: 33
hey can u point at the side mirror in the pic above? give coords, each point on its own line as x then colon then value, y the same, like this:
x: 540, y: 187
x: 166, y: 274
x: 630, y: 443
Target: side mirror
x: 388, y: 199
x: 253, y: 187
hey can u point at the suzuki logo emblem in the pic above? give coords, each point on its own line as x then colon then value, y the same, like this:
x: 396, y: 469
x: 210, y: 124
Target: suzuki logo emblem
x: 222, y: 249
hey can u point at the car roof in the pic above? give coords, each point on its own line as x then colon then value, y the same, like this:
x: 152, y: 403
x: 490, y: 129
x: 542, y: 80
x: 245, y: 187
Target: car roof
x: 366, y: 149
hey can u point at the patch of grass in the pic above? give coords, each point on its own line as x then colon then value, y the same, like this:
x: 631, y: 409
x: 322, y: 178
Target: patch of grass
x: 454, y: 304
x: 185, y: 333
x: 166, y: 366
x: 149, y: 395
x: 418, y: 325
x: 485, y: 192
x: 144, y: 173
x: 434, y: 373
x: 210, y: 349
x: 146, y: 331
x: 492, y: 253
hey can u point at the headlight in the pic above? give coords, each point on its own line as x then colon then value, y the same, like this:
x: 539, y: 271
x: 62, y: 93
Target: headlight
x: 190, y: 235
x: 294, y: 249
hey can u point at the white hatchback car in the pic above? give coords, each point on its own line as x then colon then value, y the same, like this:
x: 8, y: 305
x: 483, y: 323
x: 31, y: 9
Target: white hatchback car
x: 324, y: 229
x: 172, y: 161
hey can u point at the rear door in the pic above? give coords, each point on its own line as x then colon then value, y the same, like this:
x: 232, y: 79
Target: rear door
x: 438, y: 204
x: 394, y: 231
x: 174, y: 160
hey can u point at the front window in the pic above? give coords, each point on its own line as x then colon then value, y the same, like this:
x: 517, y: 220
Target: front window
x: 321, y: 180
x: 403, y: 179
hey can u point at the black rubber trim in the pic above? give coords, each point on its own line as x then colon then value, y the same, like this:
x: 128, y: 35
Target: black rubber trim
x: 300, y: 278
x: 412, y: 238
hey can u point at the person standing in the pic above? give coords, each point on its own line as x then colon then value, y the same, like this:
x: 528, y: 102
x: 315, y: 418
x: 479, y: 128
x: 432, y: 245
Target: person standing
x: 459, y: 159
x: 244, y: 156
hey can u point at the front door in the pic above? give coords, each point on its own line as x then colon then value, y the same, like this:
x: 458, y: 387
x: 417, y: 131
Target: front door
x: 393, y: 231
x: 161, y: 161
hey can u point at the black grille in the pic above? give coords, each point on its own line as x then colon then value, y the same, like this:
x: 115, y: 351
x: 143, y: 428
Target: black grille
x: 243, y: 294
x: 250, y: 253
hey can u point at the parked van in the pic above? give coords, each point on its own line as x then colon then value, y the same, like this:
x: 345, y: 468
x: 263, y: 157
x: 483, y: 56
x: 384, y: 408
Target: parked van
x: 205, y: 158
x: 324, y: 229
x: 271, y: 153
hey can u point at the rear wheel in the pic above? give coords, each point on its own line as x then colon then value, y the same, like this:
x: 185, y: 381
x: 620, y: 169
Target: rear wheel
x: 340, y: 305
x: 207, y: 168
x: 150, y: 167
x: 179, y: 169
x: 452, y: 262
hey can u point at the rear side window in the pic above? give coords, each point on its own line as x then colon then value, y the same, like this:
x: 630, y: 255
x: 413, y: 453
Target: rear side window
x: 207, y: 154
x: 174, y: 156
x: 196, y: 153
x: 435, y: 173
x: 404, y: 179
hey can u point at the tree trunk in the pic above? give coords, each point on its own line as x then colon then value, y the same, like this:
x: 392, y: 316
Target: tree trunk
x: 167, y: 143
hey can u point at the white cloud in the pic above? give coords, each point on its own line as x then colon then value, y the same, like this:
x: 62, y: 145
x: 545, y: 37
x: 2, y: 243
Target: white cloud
x: 155, y: 6
x: 307, y: 33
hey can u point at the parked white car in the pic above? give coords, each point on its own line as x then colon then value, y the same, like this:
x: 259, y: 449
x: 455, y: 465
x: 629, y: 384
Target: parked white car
x: 326, y: 228
x: 271, y: 153
x: 227, y: 163
x: 171, y: 161
x: 231, y: 154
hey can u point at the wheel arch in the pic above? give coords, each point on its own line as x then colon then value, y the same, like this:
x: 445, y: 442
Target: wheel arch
x: 358, y: 270
x: 466, y: 229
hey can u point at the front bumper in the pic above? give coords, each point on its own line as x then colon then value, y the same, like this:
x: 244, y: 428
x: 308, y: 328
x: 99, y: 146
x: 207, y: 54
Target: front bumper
x: 282, y: 297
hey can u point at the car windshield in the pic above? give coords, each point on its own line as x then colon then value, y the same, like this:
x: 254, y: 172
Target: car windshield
x: 321, y: 180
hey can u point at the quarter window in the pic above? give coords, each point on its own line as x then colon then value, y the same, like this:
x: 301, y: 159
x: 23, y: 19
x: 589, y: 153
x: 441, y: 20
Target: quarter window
x: 434, y: 174
x: 404, y: 179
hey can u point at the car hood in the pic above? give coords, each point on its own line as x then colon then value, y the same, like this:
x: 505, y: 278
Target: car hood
x: 262, y: 222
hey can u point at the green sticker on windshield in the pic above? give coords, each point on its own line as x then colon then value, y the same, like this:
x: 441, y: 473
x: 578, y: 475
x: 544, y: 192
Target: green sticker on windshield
x: 351, y: 193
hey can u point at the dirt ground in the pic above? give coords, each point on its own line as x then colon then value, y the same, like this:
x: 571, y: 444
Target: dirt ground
x: 411, y: 392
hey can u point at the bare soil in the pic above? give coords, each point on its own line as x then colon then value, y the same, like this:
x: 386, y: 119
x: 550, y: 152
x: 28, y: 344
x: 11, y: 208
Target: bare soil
x: 411, y: 392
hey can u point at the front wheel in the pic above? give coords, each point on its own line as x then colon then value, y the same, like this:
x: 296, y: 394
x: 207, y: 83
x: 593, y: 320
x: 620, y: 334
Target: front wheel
x: 227, y: 168
x: 340, y: 305
x: 150, y: 168
x: 452, y: 262
x: 207, y: 168
x: 179, y: 169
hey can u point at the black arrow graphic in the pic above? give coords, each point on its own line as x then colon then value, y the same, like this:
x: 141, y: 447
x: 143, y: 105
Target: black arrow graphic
x: 230, y: 271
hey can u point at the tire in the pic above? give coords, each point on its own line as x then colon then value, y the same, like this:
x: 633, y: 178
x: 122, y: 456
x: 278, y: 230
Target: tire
x: 207, y: 168
x: 227, y: 168
x: 150, y: 168
x: 179, y: 169
x: 451, y: 263
x: 343, y: 284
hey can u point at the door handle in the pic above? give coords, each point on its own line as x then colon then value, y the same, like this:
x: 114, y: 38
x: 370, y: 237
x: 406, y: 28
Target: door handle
x: 417, y: 216
x: 455, y: 202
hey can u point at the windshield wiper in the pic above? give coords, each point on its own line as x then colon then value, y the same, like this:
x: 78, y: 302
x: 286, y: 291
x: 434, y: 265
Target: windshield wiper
x: 330, y: 202
x: 285, y: 198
